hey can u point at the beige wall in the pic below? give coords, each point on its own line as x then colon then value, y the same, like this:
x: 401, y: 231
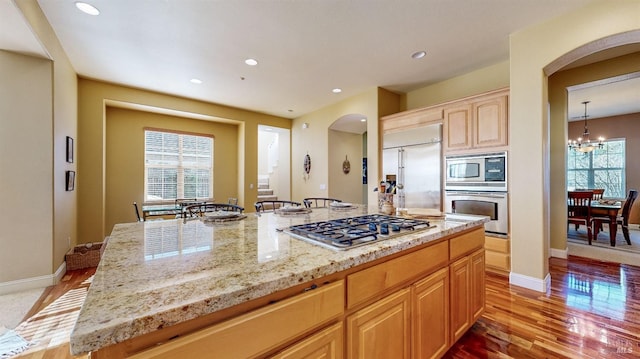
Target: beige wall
x: 476, y: 82
x: 26, y: 160
x: 45, y: 110
x: 315, y: 141
x: 95, y: 97
x: 347, y: 187
x: 532, y: 146
x: 125, y: 158
x: 558, y: 134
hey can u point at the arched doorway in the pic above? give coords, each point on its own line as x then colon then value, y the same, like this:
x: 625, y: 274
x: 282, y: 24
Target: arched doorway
x: 347, y: 156
x: 562, y: 73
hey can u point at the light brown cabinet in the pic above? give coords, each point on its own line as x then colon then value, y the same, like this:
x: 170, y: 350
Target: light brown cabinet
x: 497, y: 254
x: 382, y: 329
x: 476, y: 123
x: 326, y: 344
x: 467, y: 292
x: 229, y: 339
x: 431, y: 315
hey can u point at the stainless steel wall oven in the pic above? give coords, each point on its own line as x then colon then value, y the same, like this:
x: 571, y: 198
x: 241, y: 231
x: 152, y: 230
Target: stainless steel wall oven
x: 477, y: 184
x: 491, y: 204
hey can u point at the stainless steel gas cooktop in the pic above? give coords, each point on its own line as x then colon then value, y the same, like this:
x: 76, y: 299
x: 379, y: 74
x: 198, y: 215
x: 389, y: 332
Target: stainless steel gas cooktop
x: 351, y: 232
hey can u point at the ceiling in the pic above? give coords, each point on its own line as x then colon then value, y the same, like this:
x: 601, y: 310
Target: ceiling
x: 304, y: 49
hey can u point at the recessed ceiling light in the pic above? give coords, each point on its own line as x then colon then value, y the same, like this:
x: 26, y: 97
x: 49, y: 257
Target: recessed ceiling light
x: 196, y: 81
x: 336, y: 90
x: 418, y: 55
x: 87, y: 8
x: 251, y: 62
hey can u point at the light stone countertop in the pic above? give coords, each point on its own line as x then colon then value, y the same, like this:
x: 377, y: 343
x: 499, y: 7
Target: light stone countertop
x: 155, y: 274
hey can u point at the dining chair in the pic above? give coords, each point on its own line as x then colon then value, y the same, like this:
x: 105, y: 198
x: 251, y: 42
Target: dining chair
x: 622, y: 219
x: 579, y: 210
x: 197, y: 210
x: 598, y: 193
x: 271, y: 205
x: 318, y: 202
x: 135, y: 206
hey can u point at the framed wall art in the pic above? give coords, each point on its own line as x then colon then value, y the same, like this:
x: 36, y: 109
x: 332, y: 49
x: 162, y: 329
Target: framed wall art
x: 70, y: 180
x: 69, y: 149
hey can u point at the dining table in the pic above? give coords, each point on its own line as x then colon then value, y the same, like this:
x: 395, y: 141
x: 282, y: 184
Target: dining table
x: 607, y: 209
x: 166, y: 209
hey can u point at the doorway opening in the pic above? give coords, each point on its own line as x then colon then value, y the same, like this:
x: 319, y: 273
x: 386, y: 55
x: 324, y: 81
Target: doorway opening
x: 348, y: 159
x: 274, y: 165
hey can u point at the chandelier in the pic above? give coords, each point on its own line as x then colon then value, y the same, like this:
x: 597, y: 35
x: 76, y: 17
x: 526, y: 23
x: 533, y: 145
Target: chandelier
x: 584, y: 144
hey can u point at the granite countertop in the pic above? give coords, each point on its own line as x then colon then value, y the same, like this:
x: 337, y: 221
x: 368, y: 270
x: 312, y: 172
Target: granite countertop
x: 155, y: 274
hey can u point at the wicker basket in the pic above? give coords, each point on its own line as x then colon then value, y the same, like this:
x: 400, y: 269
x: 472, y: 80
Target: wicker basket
x: 84, y: 256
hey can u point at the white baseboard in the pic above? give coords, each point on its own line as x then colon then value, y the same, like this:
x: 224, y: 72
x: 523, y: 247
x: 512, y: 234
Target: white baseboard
x: 539, y: 285
x: 559, y: 253
x: 34, y: 282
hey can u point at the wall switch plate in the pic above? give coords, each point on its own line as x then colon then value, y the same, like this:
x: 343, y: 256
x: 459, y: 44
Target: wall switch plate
x: 250, y: 185
x: 323, y: 187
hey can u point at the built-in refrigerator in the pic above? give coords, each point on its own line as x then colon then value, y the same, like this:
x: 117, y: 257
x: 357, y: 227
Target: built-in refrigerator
x: 412, y: 157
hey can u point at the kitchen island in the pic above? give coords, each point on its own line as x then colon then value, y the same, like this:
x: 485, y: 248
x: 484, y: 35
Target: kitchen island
x: 245, y: 288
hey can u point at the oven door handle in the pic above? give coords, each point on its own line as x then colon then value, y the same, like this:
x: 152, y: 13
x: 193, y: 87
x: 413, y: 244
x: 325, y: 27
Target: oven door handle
x: 476, y: 194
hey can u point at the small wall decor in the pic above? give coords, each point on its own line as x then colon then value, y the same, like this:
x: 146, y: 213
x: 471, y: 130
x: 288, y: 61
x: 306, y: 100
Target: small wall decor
x: 346, y: 166
x: 69, y: 149
x: 364, y: 170
x: 307, y: 166
x: 70, y: 180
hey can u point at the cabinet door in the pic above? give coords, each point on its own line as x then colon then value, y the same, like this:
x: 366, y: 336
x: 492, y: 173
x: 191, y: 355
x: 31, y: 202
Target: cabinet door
x: 381, y: 330
x: 490, y: 122
x: 477, y: 285
x: 457, y: 128
x: 460, y: 298
x: 431, y: 316
x: 326, y: 344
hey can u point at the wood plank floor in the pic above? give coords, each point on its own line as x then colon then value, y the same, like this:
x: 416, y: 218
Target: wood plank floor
x: 590, y: 311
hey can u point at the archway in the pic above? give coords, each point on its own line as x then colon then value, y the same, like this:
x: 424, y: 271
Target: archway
x: 347, y: 154
x: 590, y: 54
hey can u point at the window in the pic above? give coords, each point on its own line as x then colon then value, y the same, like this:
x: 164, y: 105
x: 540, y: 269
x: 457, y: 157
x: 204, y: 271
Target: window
x: 177, y: 165
x: 601, y: 168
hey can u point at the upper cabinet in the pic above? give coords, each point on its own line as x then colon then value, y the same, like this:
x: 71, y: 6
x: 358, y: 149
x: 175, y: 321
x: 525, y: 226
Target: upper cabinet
x: 473, y: 124
x: 478, y: 122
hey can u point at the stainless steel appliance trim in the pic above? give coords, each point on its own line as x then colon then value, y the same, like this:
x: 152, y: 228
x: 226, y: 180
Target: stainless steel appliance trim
x: 480, y: 183
x: 499, y: 226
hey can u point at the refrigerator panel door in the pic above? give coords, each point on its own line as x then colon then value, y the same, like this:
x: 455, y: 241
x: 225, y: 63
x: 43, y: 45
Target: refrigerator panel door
x: 422, y: 176
x: 390, y: 162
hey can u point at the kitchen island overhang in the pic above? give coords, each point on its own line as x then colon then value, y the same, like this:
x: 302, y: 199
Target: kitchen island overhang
x: 159, y: 277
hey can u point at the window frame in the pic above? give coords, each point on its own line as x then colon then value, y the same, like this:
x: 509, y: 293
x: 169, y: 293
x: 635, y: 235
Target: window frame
x: 591, y: 170
x: 179, y: 168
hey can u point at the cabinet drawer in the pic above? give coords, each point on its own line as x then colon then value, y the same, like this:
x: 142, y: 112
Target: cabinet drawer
x: 496, y: 244
x: 466, y: 243
x: 372, y: 281
x: 259, y: 331
x: 498, y: 260
x: 328, y: 343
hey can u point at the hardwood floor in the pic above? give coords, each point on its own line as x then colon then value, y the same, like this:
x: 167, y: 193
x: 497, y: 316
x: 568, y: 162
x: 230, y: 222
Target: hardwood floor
x: 590, y: 311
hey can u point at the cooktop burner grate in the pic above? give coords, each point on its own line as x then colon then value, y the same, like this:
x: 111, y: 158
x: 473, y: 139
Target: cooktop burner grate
x: 350, y: 232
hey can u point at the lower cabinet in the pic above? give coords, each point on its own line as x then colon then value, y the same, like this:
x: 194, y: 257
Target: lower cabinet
x: 431, y: 315
x: 382, y: 329
x: 467, y: 292
x: 326, y: 344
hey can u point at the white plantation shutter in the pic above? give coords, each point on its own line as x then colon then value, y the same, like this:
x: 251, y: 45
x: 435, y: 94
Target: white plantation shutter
x: 177, y: 166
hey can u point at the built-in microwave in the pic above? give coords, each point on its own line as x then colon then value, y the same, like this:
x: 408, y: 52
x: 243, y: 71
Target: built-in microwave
x: 477, y: 172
